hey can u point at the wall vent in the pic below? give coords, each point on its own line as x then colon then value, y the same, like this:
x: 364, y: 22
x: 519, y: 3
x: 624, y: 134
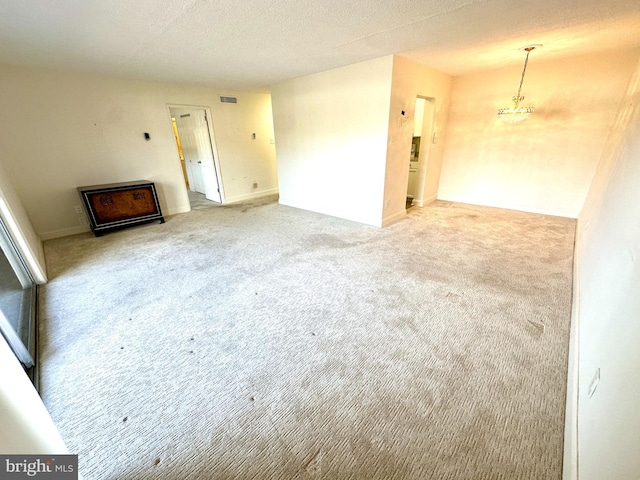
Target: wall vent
x: 228, y: 99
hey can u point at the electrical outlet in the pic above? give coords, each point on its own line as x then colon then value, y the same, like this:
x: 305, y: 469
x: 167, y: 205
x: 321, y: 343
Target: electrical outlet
x: 83, y: 221
x: 78, y: 209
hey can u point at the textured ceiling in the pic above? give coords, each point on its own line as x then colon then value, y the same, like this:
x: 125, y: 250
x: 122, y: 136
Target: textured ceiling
x: 252, y: 44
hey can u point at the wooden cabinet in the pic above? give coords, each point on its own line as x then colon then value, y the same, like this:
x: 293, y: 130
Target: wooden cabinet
x: 119, y: 205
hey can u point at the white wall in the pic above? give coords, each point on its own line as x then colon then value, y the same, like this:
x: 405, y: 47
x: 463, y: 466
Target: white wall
x: 418, y: 117
x: 343, y: 145
x: 544, y: 164
x: 331, y: 139
x: 245, y: 160
x: 410, y: 80
x: 27, y: 427
x: 430, y: 162
x: 607, y: 306
x: 62, y: 130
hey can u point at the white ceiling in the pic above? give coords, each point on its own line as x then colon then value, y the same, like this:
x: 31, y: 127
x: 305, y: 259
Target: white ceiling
x: 251, y: 44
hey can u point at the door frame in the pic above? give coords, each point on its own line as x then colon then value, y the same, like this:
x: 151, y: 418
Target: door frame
x: 426, y: 145
x: 195, y: 175
x: 214, y: 148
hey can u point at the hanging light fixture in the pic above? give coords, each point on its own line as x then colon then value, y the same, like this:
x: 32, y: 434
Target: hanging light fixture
x: 517, y: 113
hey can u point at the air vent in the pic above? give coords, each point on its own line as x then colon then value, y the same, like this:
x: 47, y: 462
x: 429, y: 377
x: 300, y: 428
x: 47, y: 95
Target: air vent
x: 228, y: 99
x: 185, y: 115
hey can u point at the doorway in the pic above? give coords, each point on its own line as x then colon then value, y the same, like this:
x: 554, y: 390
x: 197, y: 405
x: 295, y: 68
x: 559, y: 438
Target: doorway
x: 180, y: 154
x: 418, y: 188
x: 196, y: 146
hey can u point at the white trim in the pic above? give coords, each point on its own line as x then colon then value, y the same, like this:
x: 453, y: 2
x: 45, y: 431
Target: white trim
x: 176, y: 211
x: 249, y: 196
x: 394, y: 218
x: 37, y: 271
x: 330, y: 212
x: 540, y: 211
x: 427, y: 201
x: 66, y: 232
x: 570, y: 470
x: 7, y: 245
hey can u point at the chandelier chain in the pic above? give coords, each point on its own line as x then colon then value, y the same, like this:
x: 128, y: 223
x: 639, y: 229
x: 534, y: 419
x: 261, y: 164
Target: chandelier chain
x: 516, y: 113
x: 526, y: 60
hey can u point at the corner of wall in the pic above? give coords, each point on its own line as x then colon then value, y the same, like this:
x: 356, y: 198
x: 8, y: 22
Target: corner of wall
x: 388, y: 220
x: 411, y: 80
x: 570, y: 456
x: 602, y: 230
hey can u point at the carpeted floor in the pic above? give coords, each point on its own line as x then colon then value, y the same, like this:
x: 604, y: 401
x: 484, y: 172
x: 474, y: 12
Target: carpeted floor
x: 257, y: 341
x: 199, y: 200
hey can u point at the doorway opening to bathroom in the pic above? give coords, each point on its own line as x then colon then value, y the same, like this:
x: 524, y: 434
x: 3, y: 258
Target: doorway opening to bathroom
x: 418, y: 188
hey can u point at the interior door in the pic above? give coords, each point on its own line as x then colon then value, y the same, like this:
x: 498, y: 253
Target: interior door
x: 190, y: 153
x: 197, y: 149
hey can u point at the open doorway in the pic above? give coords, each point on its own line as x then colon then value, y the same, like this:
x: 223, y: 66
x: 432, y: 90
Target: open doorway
x: 419, y: 190
x: 176, y: 134
x: 196, y: 146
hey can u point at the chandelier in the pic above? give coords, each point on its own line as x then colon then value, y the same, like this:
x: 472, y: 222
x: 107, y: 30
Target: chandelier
x: 517, y: 113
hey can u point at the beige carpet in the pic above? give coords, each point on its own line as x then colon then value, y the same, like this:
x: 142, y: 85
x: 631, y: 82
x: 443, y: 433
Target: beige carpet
x: 199, y: 200
x: 258, y: 341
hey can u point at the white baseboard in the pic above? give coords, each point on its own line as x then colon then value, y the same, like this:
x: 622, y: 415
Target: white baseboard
x: 345, y: 215
x: 394, y: 217
x: 425, y: 201
x: 249, y: 196
x: 322, y: 209
x: 64, y: 232
x: 176, y: 211
x: 519, y: 208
